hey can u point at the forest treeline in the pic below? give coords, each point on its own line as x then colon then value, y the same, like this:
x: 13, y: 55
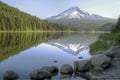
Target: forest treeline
x: 12, y: 19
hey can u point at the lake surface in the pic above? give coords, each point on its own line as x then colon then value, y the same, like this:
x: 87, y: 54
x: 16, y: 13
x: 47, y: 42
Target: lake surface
x: 25, y: 52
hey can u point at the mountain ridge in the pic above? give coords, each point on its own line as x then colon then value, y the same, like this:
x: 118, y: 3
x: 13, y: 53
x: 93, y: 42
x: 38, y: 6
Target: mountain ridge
x: 77, y: 18
x: 75, y: 12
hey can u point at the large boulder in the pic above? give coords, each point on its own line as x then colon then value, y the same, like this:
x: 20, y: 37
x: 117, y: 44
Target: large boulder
x: 10, y: 75
x: 100, y: 60
x: 97, y: 70
x: 112, y: 51
x: 40, y: 74
x: 66, y: 69
x: 81, y: 66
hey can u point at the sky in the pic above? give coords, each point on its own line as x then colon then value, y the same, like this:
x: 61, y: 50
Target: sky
x: 47, y: 8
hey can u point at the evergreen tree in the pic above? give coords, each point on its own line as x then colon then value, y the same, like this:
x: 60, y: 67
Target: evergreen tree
x: 116, y: 28
x: 11, y: 19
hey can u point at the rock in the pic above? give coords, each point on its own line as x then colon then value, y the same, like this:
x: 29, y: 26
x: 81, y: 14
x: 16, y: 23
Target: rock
x: 109, y: 53
x: 44, y: 72
x: 66, y: 69
x: 55, y: 61
x: 100, y: 60
x: 40, y: 74
x: 83, y: 75
x: 81, y: 66
x: 98, y: 68
x: 52, y: 69
x: 100, y: 52
x: 10, y: 75
x: 65, y: 77
x: 80, y: 57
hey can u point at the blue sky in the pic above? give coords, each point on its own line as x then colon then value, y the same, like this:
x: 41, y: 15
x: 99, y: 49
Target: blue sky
x: 47, y: 8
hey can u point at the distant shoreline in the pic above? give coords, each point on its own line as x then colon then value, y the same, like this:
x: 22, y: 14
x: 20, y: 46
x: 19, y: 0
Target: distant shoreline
x: 59, y: 31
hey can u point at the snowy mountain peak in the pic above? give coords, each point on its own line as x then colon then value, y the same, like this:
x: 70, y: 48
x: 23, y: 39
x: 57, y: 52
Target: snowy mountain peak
x: 75, y: 13
x: 73, y: 9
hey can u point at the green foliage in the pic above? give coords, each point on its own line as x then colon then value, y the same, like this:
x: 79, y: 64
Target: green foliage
x: 99, y: 46
x: 11, y: 19
x: 107, y: 40
x: 117, y: 39
x: 116, y: 28
x: 13, y: 43
x: 109, y: 37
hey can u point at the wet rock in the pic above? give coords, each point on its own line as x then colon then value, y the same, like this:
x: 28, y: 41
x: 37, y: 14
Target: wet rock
x: 40, y: 74
x: 55, y: 61
x: 100, y: 60
x: 52, y: 69
x: 81, y: 66
x: 66, y: 69
x: 10, y: 75
x: 65, y: 77
x: 80, y: 57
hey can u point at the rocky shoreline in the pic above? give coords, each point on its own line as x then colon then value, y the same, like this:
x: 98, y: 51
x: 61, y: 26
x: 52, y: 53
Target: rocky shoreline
x: 113, y: 72
x: 102, y: 66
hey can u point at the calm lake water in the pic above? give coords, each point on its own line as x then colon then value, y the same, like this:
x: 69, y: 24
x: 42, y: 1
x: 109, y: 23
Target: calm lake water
x: 25, y: 52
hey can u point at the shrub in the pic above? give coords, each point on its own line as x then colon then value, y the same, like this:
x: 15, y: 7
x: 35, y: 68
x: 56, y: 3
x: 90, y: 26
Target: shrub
x: 117, y: 39
x: 99, y: 46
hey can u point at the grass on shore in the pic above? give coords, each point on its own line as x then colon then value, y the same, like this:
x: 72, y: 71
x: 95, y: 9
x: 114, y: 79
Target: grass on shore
x: 104, y: 42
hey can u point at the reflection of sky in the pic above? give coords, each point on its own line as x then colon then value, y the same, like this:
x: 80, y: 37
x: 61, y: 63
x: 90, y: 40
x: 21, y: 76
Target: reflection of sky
x: 45, y: 54
x: 36, y: 57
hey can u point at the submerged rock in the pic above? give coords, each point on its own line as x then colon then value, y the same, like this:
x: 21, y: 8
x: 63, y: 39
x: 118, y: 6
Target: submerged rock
x: 55, y: 61
x: 65, y: 77
x: 81, y: 66
x: 40, y: 74
x: 44, y: 72
x: 53, y: 69
x: 100, y: 60
x: 80, y: 57
x: 66, y: 69
x: 10, y: 75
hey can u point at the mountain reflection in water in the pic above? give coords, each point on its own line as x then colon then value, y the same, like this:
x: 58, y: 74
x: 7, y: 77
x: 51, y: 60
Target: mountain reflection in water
x: 70, y: 48
x: 24, y: 52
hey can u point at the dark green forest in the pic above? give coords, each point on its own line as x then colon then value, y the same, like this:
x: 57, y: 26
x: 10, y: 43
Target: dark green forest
x: 12, y: 19
x: 116, y: 28
x: 13, y: 43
